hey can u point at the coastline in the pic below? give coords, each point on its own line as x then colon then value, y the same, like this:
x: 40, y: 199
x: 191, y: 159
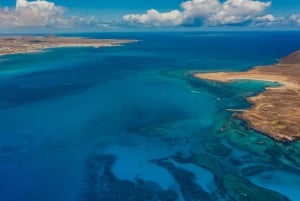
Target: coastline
x: 28, y: 44
x: 276, y: 111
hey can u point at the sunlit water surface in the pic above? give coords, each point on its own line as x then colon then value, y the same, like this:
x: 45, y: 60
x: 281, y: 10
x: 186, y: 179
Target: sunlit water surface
x: 130, y: 123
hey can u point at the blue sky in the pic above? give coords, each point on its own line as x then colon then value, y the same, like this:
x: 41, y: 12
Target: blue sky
x: 154, y: 13
x: 278, y: 6
x: 281, y: 7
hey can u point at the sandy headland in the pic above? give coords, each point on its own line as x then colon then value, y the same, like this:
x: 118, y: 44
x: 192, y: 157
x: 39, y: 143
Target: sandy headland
x: 276, y: 111
x: 24, y: 44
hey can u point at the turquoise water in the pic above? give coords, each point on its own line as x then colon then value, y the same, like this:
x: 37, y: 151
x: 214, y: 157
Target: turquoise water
x: 130, y: 123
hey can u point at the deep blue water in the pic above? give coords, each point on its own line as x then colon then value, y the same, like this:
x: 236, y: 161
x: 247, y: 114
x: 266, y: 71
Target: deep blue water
x: 130, y: 123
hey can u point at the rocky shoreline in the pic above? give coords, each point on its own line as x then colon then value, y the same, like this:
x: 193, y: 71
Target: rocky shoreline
x: 276, y: 111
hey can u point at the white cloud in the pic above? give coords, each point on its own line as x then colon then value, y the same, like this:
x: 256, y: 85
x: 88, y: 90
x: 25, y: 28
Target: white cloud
x: 199, y: 11
x: 206, y: 12
x: 268, y: 20
x: 271, y: 20
x: 40, y: 13
x: 294, y: 20
x: 37, y: 13
x: 239, y: 11
x: 154, y: 18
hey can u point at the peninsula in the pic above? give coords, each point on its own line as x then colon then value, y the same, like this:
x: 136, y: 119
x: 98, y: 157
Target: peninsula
x: 276, y: 111
x: 24, y: 44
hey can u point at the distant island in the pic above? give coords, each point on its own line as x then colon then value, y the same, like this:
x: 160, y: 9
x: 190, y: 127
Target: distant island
x: 276, y: 111
x: 25, y: 44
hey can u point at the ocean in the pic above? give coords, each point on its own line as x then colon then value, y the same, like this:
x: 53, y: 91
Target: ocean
x: 130, y: 123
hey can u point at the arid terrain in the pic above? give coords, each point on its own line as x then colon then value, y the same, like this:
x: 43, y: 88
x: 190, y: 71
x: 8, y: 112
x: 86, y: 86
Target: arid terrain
x: 23, y: 44
x: 276, y: 111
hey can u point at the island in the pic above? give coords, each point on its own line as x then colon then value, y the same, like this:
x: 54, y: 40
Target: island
x: 25, y: 44
x: 276, y: 111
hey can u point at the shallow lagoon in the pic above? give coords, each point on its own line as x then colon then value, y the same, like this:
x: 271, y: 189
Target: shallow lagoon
x: 129, y: 123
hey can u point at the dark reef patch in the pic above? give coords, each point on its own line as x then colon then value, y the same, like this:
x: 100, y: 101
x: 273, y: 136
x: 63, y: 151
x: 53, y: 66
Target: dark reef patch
x: 104, y: 186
